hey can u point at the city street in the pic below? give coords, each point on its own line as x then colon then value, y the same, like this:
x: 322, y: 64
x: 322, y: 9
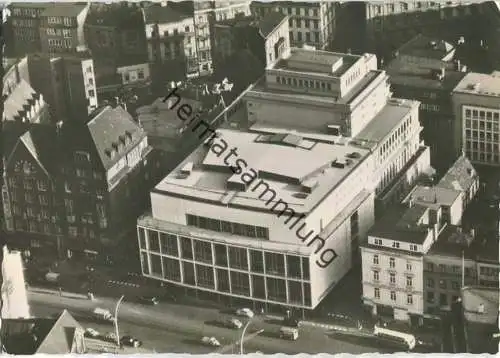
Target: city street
x: 178, y: 329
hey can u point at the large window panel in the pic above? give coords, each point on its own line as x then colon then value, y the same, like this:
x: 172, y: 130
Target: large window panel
x: 220, y: 255
x: 156, y: 265
x: 293, y: 266
x: 205, y: 276
x: 142, y: 238
x: 257, y: 261
x: 258, y: 287
x: 276, y: 289
x: 295, y: 292
x: 238, y: 258
x: 275, y: 264
x: 144, y: 263
x: 222, y: 280
x: 307, y: 294
x: 168, y: 244
x: 188, y: 273
x: 154, y: 244
x: 186, y: 248
x: 305, y: 268
x: 203, y: 251
x: 240, y: 283
x: 171, y: 269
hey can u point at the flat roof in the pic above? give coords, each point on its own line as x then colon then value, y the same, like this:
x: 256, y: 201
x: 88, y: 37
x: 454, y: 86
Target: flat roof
x: 339, y: 62
x: 401, y: 223
x: 386, y: 120
x: 452, y: 242
x: 479, y: 84
x: 426, y: 47
x: 434, y: 196
x: 298, y: 169
x: 421, y: 75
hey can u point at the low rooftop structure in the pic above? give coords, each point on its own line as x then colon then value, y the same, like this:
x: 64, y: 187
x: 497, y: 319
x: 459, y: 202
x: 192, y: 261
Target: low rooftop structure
x: 479, y: 84
x: 301, y: 170
x: 426, y: 47
x: 433, y: 197
x: 452, y: 242
x: 265, y: 24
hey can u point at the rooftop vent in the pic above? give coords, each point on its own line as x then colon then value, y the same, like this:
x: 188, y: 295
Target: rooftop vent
x: 473, y: 86
x: 433, y: 44
x: 187, y: 169
x: 354, y: 155
x: 339, y: 164
x: 300, y: 195
x: 181, y: 175
x: 333, y: 129
x: 480, y: 308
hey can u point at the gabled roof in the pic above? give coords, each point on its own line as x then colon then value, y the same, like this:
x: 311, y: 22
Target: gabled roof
x: 114, y: 133
x: 461, y: 175
x: 41, y: 142
x: 18, y: 101
x: 59, y: 339
x: 270, y: 21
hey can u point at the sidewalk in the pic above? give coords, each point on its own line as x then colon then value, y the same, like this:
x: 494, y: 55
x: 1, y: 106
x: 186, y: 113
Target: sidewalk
x: 56, y: 292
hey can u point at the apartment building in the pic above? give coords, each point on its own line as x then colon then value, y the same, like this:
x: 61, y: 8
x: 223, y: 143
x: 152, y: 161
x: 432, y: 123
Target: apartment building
x: 249, y: 42
x: 25, y: 20
x: 75, y: 188
x: 226, y: 244
x: 114, y: 33
x: 448, y: 267
x: 62, y: 27
x: 311, y: 23
x: 476, y: 105
x: 425, y: 69
x: 171, y: 41
x: 66, y: 82
x: 393, y: 259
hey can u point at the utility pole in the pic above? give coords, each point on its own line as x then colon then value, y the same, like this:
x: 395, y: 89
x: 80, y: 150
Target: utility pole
x: 243, y: 335
x: 116, y: 320
x: 463, y: 269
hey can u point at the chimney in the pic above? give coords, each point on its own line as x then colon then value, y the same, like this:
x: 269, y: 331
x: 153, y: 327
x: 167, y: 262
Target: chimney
x: 410, y: 202
x: 473, y: 233
x: 458, y: 65
x: 480, y: 308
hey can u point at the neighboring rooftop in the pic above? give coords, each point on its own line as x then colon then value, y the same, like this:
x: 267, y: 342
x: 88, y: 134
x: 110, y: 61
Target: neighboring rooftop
x: 433, y: 197
x: 114, y: 133
x: 157, y: 13
x: 266, y: 24
x: 479, y: 84
x: 19, y: 101
x: 424, y: 74
x: 403, y: 223
x: 120, y: 15
x: 316, y: 169
x: 480, y: 304
x: 427, y: 47
x: 386, y: 120
x: 63, y: 9
x: 42, y: 335
x: 453, y: 241
x: 461, y: 175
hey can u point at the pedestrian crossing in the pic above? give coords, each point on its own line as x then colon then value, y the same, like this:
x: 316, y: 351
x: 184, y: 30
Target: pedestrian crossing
x: 122, y: 283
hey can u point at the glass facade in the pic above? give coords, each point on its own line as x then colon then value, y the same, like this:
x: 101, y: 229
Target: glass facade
x: 236, y: 271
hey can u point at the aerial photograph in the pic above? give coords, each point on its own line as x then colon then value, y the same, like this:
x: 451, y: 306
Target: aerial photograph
x: 250, y: 177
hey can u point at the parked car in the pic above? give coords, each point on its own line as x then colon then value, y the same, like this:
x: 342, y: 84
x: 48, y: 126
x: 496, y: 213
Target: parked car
x: 102, y: 313
x: 245, y: 312
x: 110, y: 337
x: 233, y: 323
x: 149, y: 300
x: 91, y: 333
x: 130, y: 341
x: 210, y: 341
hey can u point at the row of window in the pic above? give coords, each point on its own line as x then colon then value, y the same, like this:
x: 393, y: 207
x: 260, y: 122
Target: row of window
x: 483, y: 136
x: 36, y: 227
x: 395, y: 139
x: 308, y: 38
x: 227, y: 281
x: 443, y: 298
x: 227, y: 227
x: 66, y: 33
x: 60, y: 43
x: 482, y: 157
x: 29, y: 183
x: 455, y: 285
x: 454, y: 269
x: 430, y: 107
x: 29, y: 198
x: 392, y: 278
x: 67, y: 21
x: 319, y: 85
x: 484, y: 147
x: 27, y: 12
x: 481, y: 124
x: 484, y: 115
x: 306, y: 22
x: 392, y: 262
x: 238, y: 258
x: 301, y: 11
x: 376, y: 294
x: 488, y: 271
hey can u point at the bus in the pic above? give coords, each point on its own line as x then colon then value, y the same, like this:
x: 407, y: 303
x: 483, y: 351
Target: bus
x: 399, y: 337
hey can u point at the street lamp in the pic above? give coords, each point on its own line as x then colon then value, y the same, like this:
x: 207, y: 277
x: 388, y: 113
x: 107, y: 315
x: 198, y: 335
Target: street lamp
x: 243, y: 335
x: 116, y: 320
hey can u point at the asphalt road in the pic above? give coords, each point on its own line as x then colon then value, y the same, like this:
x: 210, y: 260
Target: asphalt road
x: 173, y: 328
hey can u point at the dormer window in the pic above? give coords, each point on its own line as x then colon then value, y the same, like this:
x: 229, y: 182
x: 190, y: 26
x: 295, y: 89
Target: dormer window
x: 129, y: 135
x: 395, y: 245
x: 122, y: 139
x: 108, y: 152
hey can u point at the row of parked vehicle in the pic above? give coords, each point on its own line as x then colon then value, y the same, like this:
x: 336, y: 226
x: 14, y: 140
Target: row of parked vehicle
x: 111, y: 337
